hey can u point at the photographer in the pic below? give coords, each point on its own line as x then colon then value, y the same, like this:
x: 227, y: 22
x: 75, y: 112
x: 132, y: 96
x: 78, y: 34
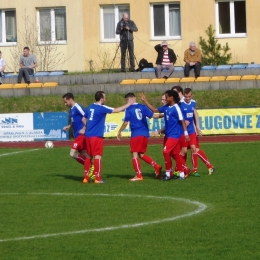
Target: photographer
x: 125, y: 28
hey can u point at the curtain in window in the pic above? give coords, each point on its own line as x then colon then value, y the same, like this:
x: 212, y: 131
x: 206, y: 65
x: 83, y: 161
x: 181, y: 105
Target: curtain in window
x: 10, y: 24
x: 174, y: 20
x: 1, y: 37
x: 60, y: 24
x: 109, y: 23
x: 159, y: 20
x: 45, y: 25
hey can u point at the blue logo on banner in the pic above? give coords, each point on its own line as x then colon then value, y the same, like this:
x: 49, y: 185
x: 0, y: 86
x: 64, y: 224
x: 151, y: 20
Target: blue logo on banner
x: 52, y: 124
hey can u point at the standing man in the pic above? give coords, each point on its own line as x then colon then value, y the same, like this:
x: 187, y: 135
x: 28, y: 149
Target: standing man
x: 94, y: 121
x: 192, y: 59
x: 2, y: 67
x: 27, y: 63
x: 136, y: 114
x: 125, y: 29
x: 165, y: 60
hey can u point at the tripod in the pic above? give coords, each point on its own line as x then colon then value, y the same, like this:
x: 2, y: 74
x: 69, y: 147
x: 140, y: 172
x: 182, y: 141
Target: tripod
x: 125, y: 45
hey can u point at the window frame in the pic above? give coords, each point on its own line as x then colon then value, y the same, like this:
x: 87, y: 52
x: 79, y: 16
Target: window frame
x: 232, y: 33
x: 4, y: 42
x: 53, y: 32
x: 167, y: 25
x: 116, y: 12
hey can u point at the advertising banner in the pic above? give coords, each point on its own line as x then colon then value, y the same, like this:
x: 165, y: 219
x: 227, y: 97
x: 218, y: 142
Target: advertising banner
x: 212, y: 122
x: 33, y: 126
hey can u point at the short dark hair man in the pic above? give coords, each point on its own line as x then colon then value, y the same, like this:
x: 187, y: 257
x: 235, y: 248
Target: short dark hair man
x: 27, y: 64
x: 165, y: 59
x: 125, y: 28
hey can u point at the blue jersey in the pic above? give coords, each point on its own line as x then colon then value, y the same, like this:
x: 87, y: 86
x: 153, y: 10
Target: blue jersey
x: 96, y: 115
x: 136, y: 114
x: 76, y: 114
x: 188, y: 114
x: 162, y: 110
x: 173, y: 116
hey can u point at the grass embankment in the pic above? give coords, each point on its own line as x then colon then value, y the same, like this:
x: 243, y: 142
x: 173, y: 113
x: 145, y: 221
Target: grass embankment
x: 205, y: 99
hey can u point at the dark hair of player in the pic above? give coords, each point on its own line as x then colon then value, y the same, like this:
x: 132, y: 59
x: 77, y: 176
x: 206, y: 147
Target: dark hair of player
x: 99, y: 95
x: 128, y: 95
x: 174, y: 94
x: 187, y: 90
x: 178, y: 88
x: 68, y: 96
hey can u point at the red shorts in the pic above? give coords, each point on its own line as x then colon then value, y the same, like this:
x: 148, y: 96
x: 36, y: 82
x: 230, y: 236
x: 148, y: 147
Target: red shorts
x: 193, y: 140
x: 79, y: 143
x: 138, y: 144
x: 172, y: 146
x: 197, y: 143
x: 94, y: 145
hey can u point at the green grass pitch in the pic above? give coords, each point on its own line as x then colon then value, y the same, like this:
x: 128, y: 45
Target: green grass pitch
x: 46, y: 212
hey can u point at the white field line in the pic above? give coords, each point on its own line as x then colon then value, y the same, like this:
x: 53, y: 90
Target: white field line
x: 200, y: 207
x: 25, y: 151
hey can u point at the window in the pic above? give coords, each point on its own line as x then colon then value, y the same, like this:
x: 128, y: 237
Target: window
x: 166, y: 21
x: 110, y: 16
x: 8, y: 34
x: 52, y: 24
x: 231, y: 18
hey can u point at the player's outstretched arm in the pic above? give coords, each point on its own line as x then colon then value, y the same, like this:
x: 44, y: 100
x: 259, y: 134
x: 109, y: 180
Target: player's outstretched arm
x: 151, y: 107
x: 122, y: 108
x: 123, y: 126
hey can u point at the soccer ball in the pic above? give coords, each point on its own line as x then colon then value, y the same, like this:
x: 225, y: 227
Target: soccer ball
x: 49, y: 144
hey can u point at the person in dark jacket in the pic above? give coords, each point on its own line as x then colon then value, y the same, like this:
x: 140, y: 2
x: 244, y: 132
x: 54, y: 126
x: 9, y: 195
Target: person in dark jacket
x: 125, y: 29
x: 165, y: 60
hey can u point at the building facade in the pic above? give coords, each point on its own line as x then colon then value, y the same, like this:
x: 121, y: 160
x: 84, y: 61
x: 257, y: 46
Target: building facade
x: 80, y: 35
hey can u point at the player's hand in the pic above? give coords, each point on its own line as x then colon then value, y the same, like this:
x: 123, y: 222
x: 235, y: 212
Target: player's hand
x: 66, y: 128
x: 142, y: 96
x: 154, y: 133
x: 119, y: 136
x: 199, y: 132
x: 187, y: 122
x: 82, y: 131
x: 187, y: 138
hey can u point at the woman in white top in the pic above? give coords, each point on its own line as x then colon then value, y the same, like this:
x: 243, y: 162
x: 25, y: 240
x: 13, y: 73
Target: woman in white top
x: 2, y: 67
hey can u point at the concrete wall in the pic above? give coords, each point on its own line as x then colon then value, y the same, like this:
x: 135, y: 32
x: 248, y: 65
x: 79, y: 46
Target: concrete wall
x: 117, y: 88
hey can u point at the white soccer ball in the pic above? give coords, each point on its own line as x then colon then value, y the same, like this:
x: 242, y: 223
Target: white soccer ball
x: 49, y: 144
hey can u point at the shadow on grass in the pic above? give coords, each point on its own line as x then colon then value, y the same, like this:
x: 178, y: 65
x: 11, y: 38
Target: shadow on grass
x: 70, y: 177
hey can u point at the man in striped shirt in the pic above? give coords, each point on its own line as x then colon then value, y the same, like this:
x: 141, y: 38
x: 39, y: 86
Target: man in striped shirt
x: 165, y: 60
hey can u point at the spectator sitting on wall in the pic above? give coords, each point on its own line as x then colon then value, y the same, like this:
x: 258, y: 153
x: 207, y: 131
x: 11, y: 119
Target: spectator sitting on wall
x: 27, y: 63
x: 165, y: 59
x: 2, y: 67
x: 192, y: 58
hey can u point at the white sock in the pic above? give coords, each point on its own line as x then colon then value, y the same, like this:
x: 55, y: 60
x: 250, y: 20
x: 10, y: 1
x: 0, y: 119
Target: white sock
x: 168, y: 173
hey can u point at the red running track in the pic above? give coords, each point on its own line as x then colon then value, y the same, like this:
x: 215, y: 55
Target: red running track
x: 125, y: 141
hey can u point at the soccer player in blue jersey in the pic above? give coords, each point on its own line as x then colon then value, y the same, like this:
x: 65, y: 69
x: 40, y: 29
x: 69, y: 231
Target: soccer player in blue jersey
x: 185, y: 97
x: 94, y: 120
x: 188, y: 107
x: 136, y: 114
x: 173, y: 128
x: 78, y: 150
